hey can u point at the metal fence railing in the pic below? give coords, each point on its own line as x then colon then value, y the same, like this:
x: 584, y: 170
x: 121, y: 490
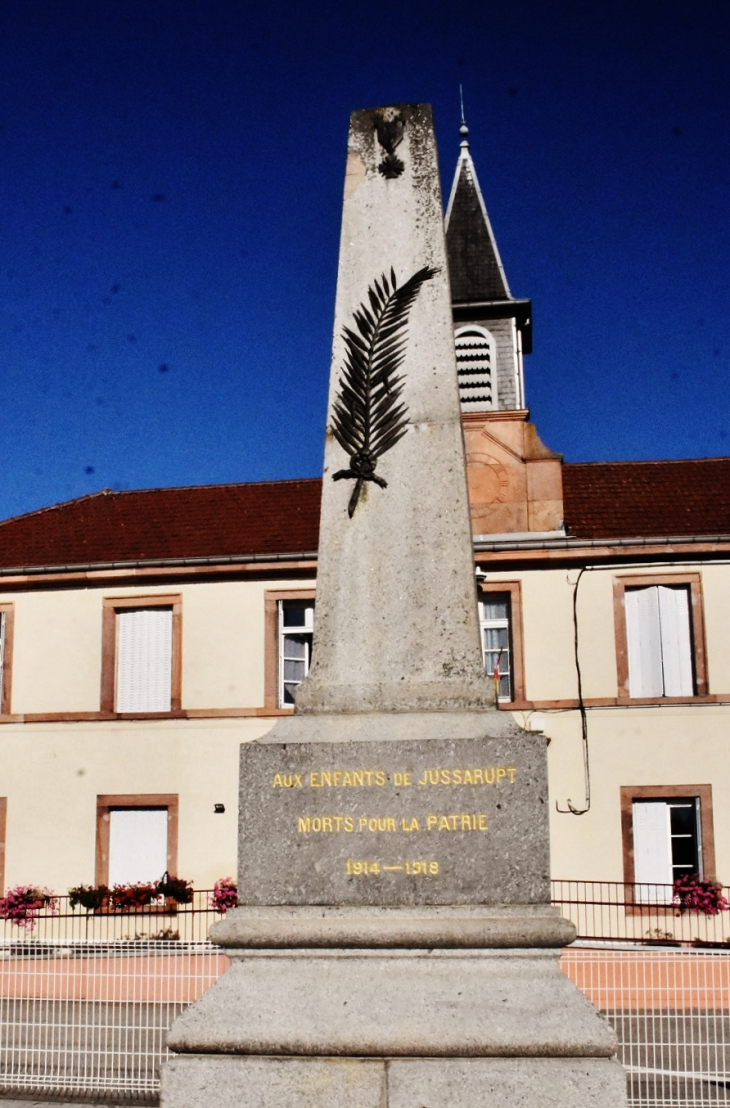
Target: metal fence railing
x: 86, y: 1000
x: 92, y: 1017
x: 637, y: 913
x: 599, y: 909
x: 87, y: 997
x: 671, y: 1012
x: 163, y: 920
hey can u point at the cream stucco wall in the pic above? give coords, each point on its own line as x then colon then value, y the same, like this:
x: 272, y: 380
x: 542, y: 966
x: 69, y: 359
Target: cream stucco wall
x: 58, y: 642
x: 52, y: 772
x: 57, y: 651
x: 642, y: 746
x: 223, y: 635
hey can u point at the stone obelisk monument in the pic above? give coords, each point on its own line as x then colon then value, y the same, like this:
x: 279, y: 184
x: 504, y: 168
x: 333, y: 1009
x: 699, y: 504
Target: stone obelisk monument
x: 395, y: 946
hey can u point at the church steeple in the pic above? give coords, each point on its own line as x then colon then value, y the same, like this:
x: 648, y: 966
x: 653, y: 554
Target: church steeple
x: 493, y: 329
x: 475, y: 266
x: 515, y: 481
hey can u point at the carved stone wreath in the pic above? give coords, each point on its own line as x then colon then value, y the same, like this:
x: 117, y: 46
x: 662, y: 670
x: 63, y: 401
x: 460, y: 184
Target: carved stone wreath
x: 390, y: 135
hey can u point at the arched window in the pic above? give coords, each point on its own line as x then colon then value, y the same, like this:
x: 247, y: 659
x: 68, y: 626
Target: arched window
x: 476, y: 366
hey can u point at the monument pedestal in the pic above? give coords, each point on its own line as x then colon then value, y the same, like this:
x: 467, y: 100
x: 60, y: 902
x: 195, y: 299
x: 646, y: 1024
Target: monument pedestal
x: 395, y: 1083
x: 423, y: 1002
x: 394, y: 1008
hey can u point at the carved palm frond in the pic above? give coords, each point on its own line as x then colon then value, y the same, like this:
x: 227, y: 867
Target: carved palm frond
x: 367, y: 418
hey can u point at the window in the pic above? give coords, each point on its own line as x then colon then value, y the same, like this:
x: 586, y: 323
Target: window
x: 476, y: 369
x: 659, y: 637
x: 501, y: 629
x: 141, y: 655
x: 296, y: 627
x: 667, y: 834
x: 136, y: 838
x: 6, y: 656
x: 494, y: 618
x: 289, y: 631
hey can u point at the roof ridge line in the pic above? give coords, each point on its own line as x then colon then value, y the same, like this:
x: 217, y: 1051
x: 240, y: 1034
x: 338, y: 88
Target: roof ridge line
x: 54, y: 507
x: 652, y: 461
x: 157, y: 488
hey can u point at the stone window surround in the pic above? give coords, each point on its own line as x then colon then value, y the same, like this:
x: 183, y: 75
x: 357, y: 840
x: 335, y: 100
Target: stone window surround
x: 8, y: 610
x: 630, y: 793
x: 271, y: 641
x: 514, y: 589
x: 107, y: 801
x: 693, y: 581
x: 114, y: 604
x: 3, y: 829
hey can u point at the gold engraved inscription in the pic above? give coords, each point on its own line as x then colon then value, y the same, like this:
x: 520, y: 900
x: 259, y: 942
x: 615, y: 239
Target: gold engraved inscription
x: 399, y: 779
x: 347, y: 779
x: 486, y: 775
x: 373, y: 825
x: 371, y: 868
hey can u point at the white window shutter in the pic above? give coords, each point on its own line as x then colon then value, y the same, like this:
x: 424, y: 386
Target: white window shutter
x: 137, y: 845
x: 652, y: 849
x: 144, y: 660
x: 644, y: 642
x: 676, y: 641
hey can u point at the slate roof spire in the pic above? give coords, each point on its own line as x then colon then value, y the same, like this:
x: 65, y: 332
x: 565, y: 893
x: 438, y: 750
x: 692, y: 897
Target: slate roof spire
x: 475, y: 267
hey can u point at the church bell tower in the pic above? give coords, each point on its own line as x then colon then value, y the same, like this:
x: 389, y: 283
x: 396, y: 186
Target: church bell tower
x: 515, y: 481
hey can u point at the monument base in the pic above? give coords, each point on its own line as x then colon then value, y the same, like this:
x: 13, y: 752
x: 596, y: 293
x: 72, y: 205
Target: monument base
x: 271, y: 1082
x: 411, y: 990
x: 394, y: 1027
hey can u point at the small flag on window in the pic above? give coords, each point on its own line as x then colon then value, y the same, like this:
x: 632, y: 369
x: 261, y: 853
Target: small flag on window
x: 496, y: 673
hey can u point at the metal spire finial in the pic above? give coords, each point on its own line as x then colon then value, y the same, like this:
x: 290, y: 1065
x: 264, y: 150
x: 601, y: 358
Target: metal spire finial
x: 463, y: 130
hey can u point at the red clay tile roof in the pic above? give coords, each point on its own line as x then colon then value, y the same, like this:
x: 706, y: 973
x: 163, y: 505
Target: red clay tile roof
x: 601, y: 500
x: 628, y: 499
x: 271, y: 517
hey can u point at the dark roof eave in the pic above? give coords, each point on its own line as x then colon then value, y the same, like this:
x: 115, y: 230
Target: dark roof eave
x: 519, y: 310
x: 576, y: 543
x: 156, y: 563
x: 311, y: 555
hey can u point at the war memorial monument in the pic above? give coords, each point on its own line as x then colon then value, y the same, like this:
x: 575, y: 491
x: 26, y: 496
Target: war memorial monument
x: 395, y: 946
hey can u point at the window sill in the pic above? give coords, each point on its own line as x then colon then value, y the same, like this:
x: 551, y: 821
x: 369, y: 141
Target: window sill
x: 638, y: 701
x: 573, y: 704
x: 111, y: 717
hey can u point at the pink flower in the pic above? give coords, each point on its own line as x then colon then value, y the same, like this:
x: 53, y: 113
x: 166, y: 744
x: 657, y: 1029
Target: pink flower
x: 22, y: 904
x: 692, y: 894
x: 224, y: 895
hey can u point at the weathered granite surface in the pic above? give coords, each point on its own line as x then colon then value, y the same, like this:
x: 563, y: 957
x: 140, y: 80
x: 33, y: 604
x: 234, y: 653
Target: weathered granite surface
x: 445, y: 1003
x: 241, y: 1082
x: 396, y: 626
x: 455, y: 821
x: 474, y: 925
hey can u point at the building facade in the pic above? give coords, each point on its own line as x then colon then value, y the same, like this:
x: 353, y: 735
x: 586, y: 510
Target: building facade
x: 145, y: 635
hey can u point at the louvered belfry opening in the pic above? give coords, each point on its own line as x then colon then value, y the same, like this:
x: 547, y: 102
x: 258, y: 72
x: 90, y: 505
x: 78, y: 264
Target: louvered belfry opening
x: 475, y: 365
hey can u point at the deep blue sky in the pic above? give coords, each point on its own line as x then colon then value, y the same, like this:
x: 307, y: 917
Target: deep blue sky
x: 171, y: 178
